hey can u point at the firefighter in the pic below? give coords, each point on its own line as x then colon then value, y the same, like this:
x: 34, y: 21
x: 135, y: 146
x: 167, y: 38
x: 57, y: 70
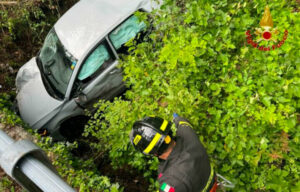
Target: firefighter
x: 184, y: 164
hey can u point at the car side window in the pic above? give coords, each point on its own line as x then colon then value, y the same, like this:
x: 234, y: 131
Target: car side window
x: 96, y: 62
x: 126, y: 31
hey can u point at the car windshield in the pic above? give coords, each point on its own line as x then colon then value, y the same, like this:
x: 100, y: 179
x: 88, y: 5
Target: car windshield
x: 57, y: 63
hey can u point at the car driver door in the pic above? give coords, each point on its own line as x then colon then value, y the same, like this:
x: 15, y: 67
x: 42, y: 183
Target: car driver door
x: 98, y: 77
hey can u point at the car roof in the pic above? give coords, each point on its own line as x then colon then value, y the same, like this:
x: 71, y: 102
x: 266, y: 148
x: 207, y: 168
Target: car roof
x: 89, y: 20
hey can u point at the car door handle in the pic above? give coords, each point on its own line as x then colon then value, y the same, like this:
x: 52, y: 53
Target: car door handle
x: 81, y: 99
x: 113, y: 71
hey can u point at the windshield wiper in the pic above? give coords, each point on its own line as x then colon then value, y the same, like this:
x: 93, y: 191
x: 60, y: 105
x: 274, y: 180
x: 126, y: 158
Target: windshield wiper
x: 47, y: 84
x: 47, y: 65
x: 49, y: 73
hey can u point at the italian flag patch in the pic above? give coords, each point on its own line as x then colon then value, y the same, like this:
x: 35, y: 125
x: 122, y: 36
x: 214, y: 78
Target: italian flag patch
x: 167, y: 188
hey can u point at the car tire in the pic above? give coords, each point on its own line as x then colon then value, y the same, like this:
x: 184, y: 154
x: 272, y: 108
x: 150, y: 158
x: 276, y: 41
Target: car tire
x: 73, y: 128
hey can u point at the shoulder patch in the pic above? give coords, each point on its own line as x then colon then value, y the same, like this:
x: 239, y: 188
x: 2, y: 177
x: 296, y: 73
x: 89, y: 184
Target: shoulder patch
x: 166, y: 188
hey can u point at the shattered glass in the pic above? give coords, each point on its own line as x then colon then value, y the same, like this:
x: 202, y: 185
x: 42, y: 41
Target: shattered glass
x: 56, y: 62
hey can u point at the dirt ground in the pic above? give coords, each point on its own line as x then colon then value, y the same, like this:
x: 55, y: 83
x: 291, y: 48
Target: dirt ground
x: 127, y: 177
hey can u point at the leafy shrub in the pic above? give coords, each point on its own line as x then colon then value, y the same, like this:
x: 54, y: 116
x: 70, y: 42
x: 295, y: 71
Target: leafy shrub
x: 31, y: 20
x: 25, y: 24
x: 243, y: 102
x: 6, y: 115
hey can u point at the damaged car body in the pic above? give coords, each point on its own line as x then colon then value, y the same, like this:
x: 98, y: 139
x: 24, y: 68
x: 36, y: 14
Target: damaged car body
x: 77, y: 64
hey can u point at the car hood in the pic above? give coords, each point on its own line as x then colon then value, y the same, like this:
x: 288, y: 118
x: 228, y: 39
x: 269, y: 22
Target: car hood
x: 34, y: 102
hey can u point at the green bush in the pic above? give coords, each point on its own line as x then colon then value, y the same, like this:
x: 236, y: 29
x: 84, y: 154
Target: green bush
x: 6, y: 115
x: 24, y: 26
x: 29, y: 21
x: 243, y: 102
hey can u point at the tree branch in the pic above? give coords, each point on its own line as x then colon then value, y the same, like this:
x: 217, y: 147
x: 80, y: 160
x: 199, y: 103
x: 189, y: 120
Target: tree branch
x: 8, y: 2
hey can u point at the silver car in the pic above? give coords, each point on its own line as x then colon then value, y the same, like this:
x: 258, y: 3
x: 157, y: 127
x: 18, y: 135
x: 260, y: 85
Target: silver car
x: 77, y: 64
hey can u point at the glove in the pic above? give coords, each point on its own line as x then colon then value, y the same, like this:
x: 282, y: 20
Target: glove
x: 175, y: 115
x: 177, y: 119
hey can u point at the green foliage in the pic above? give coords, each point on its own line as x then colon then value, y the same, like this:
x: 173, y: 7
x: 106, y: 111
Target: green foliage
x: 6, y: 115
x: 6, y: 184
x: 25, y: 23
x: 243, y: 102
x: 31, y: 20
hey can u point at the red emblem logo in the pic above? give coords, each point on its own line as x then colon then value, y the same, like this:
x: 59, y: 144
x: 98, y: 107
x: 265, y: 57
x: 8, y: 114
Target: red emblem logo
x: 266, y: 32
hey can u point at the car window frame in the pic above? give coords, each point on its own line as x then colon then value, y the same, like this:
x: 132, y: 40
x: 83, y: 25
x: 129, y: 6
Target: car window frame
x: 100, y: 69
x: 88, y: 80
x: 107, y: 36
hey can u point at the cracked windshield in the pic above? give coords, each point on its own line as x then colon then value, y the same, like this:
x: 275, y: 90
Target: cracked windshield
x: 57, y: 63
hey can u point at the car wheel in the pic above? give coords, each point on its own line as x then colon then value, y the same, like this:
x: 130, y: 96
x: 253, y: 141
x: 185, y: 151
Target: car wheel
x: 73, y: 128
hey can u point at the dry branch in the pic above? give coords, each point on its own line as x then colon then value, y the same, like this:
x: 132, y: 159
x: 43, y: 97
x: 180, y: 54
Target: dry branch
x: 8, y: 2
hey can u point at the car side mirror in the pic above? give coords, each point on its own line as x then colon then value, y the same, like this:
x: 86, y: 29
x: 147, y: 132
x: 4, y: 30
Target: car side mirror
x: 81, y: 99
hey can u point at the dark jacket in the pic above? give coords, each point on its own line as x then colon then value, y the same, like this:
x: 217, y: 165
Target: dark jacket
x: 187, y: 169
